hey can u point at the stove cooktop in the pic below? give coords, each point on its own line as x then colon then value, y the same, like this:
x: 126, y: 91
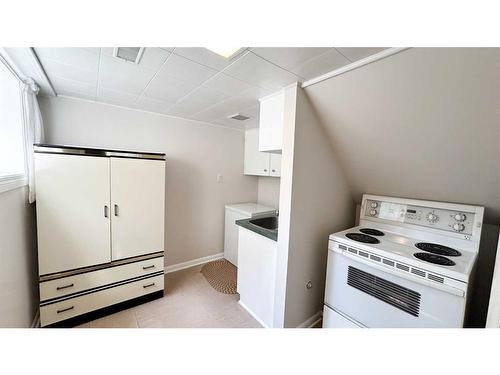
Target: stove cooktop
x: 404, y: 249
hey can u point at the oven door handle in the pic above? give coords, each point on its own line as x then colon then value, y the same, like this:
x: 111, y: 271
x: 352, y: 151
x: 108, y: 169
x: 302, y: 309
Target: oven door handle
x: 443, y: 287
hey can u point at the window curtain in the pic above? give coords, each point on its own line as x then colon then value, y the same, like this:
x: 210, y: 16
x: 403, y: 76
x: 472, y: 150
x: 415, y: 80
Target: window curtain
x: 33, y: 130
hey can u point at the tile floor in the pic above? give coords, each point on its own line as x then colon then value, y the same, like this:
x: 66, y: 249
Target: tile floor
x: 189, y: 302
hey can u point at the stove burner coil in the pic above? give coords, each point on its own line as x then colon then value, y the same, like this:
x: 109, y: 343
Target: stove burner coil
x: 371, y: 231
x: 435, y: 248
x: 433, y: 258
x: 360, y: 237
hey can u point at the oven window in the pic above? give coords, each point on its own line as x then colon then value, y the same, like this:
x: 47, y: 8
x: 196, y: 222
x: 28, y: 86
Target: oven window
x: 398, y: 296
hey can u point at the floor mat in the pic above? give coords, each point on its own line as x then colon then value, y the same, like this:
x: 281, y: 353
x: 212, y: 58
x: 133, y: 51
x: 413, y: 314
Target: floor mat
x: 221, y: 275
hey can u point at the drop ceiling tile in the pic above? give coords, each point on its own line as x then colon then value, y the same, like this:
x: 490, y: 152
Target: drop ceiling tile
x: 289, y: 57
x: 203, y: 56
x: 186, y: 70
x: 73, y: 88
x: 84, y: 58
x: 198, y: 100
x: 321, y: 64
x: 108, y: 95
x: 258, y: 72
x: 226, y: 84
x: 176, y: 78
x: 357, y: 53
x: 168, y: 88
x: 206, y: 95
x: 153, y: 105
x: 153, y: 58
x: 123, y: 76
x: 55, y: 69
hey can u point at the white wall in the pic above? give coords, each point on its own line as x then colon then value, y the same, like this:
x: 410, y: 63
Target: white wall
x: 269, y: 191
x: 315, y: 202
x: 18, y: 261
x: 196, y: 152
x: 424, y: 123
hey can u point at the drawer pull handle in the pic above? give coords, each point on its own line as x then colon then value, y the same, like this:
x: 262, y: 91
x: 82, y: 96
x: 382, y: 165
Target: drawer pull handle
x: 65, y: 286
x: 67, y: 309
x: 148, y: 267
x: 148, y: 285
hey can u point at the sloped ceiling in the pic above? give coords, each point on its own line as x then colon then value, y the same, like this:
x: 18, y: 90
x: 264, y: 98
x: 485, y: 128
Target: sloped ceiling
x: 424, y: 123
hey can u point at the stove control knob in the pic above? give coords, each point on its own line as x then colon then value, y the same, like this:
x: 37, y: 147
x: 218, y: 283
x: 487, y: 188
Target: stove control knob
x: 458, y: 227
x: 373, y: 212
x: 374, y: 205
x: 432, y: 218
x: 460, y: 217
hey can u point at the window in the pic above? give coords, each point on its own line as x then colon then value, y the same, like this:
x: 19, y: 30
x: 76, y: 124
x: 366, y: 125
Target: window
x: 11, y: 125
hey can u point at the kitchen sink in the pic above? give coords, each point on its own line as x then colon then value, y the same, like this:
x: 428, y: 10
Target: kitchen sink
x: 270, y: 222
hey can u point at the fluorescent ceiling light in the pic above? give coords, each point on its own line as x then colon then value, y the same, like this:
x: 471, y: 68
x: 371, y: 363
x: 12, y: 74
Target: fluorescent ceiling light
x: 226, y: 52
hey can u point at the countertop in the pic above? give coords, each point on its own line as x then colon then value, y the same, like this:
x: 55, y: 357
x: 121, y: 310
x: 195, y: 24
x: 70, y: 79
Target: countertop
x: 269, y: 233
x: 251, y: 209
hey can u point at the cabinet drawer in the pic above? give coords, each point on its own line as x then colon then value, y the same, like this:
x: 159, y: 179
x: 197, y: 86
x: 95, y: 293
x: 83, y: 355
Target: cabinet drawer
x: 72, y: 307
x: 78, y: 283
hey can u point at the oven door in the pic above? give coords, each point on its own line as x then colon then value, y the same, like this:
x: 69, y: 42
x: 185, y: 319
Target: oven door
x: 374, y: 297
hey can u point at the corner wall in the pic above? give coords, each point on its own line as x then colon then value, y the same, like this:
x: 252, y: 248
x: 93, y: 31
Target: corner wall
x: 315, y: 202
x: 18, y: 261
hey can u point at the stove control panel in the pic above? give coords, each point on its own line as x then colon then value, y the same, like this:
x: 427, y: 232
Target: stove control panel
x: 448, y: 220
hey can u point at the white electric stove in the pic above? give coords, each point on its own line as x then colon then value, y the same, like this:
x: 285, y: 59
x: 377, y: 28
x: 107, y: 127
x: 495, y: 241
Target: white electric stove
x: 408, y: 264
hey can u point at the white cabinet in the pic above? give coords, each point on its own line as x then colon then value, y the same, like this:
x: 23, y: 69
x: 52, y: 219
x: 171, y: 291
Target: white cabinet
x: 100, y: 223
x: 73, y: 224
x: 236, y: 212
x: 258, y: 163
x: 257, y: 256
x: 271, y: 119
x: 137, y: 206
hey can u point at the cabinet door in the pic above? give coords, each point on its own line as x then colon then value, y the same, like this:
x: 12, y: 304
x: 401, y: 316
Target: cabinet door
x: 275, y: 165
x: 271, y: 118
x: 72, y: 205
x: 255, y: 163
x: 231, y: 236
x: 137, y: 207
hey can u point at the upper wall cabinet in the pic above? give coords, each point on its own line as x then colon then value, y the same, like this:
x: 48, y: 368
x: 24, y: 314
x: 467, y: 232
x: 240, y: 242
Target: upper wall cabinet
x: 271, y: 118
x: 258, y: 163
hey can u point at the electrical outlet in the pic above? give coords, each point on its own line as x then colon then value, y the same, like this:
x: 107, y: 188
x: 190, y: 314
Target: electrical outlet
x: 220, y: 178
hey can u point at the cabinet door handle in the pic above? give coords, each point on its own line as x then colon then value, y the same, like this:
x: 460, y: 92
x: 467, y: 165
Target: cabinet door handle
x: 148, y: 267
x: 148, y: 285
x: 65, y: 286
x: 273, y: 170
x: 66, y: 309
x: 265, y: 170
x: 116, y: 210
x: 106, y: 211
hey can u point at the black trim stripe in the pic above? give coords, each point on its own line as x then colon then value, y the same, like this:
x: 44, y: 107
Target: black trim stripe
x: 99, y: 313
x: 97, y: 267
x: 99, y: 288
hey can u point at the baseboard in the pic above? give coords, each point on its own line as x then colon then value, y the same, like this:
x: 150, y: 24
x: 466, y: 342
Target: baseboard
x: 36, y: 320
x: 253, y: 315
x: 192, y: 263
x: 312, y: 321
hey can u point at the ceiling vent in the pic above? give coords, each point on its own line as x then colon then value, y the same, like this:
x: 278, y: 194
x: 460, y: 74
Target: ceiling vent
x: 130, y: 54
x: 239, y: 117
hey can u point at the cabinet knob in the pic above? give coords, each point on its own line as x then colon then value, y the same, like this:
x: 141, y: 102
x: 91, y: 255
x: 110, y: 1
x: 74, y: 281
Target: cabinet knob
x: 273, y: 170
x: 265, y: 170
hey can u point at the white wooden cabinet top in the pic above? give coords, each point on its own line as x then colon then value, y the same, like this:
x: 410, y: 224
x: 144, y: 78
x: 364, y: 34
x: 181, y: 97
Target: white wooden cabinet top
x: 250, y: 209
